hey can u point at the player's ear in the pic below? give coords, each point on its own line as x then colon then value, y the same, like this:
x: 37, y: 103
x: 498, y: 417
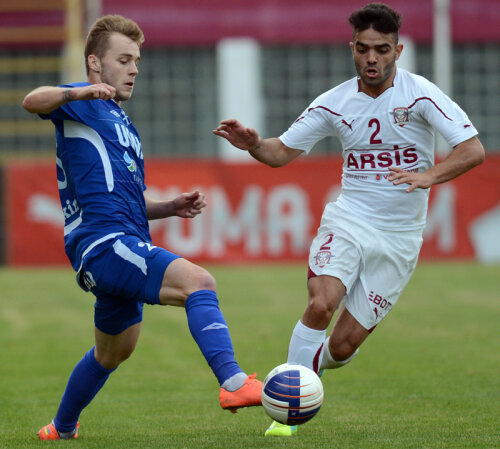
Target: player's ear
x: 399, y: 49
x: 94, y: 63
x: 351, y: 45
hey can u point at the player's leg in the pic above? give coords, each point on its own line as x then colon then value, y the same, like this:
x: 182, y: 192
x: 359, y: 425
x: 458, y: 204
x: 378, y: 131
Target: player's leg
x: 111, y: 350
x: 325, y: 294
x: 343, y: 343
x: 389, y: 259
x: 334, y: 259
x: 117, y: 327
x: 186, y: 284
x: 88, y: 377
x: 150, y: 274
x: 309, y: 343
x: 308, y: 338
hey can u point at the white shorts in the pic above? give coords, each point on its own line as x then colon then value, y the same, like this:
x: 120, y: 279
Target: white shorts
x: 374, y: 265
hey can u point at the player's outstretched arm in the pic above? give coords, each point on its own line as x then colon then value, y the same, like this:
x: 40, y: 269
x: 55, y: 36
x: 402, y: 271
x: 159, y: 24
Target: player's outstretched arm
x: 186, y: 205
x: 43, y: 100
x: 271, y: 151
x: 465, y: 155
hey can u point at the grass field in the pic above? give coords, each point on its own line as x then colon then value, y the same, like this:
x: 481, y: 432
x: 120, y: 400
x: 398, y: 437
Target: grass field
x: 428, y: 377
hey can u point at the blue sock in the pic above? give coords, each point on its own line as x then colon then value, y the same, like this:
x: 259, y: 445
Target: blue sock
x: 209, y: 329
x: 85, y: 381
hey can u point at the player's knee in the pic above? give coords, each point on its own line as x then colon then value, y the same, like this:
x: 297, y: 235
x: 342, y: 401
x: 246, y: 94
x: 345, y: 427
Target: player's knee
x: 320, y: 309
x: 204, y: 280
x: 334, y: 359
x: 124, y: 354
x: 183, y: 279
x: 111, y: 360
x: 199, y: 279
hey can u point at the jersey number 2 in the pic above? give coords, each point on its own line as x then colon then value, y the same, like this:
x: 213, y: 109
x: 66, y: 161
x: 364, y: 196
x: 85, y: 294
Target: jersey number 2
x: 376, y: 123
x: 326, y: 245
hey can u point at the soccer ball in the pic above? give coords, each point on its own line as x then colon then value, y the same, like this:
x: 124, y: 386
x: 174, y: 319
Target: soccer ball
x: 292, y: 394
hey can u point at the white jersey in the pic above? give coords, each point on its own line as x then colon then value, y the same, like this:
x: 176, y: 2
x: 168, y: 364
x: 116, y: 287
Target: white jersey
x: 394, y: 129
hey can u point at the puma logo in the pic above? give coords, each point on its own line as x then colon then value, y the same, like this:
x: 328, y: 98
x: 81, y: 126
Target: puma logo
x: 348, y: 124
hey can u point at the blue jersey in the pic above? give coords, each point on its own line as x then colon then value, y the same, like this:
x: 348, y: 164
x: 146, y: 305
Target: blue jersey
x: 100, y: 174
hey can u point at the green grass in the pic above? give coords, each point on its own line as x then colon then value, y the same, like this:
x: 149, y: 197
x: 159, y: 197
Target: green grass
x: 428, y: 377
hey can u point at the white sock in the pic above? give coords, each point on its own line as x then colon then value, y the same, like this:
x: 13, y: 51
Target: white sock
x: 304, y: 344
x: 328, y: 362
x: 234, y: 382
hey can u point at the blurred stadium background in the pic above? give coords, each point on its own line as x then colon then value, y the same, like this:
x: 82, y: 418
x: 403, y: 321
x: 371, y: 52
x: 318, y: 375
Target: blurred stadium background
x: 262, y: 60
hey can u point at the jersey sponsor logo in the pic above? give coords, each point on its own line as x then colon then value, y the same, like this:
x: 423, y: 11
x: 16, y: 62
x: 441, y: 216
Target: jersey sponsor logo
x: 401, y: 116
x: 371, y: 160
x: 70, y: 208
x: 214, y: 326
x: 129, y: 162
x: 379, y: 301
x: 115, y: 113
x: 360, y: 177
x: 378, y: 176
x: 127, y: 139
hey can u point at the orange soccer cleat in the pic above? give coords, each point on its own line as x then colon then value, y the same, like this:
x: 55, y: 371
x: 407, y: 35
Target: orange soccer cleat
x: 249, y: 395
x: 49, y: 432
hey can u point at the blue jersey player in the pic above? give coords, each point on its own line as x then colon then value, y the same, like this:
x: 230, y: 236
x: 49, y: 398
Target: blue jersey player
x: 100, y: 175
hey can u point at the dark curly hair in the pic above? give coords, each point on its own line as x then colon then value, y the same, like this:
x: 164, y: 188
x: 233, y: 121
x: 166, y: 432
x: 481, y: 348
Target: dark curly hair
x: 378, y: 16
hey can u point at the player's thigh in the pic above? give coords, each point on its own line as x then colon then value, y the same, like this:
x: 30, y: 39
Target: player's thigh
x: 111, y: 350
x: 347, y: 335
x: 336, y: 250
x: 123, y: 274
x: 389, y: 259
x: 181, y: 278
x: 126, y: 268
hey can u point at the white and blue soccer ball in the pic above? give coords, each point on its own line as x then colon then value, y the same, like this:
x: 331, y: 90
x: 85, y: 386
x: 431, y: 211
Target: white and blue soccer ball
x: 292, y: 394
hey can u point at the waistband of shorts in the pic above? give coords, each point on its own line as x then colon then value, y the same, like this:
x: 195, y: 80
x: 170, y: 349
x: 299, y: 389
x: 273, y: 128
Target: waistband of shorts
x: 97, y: 242
x: 418, y: 231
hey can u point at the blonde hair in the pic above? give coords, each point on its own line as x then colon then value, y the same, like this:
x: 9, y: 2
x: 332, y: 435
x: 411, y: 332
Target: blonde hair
x: 98, y: 37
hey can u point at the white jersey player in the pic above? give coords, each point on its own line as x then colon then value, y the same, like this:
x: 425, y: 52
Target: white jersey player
x: 368, y: 241
x: 394, y: 129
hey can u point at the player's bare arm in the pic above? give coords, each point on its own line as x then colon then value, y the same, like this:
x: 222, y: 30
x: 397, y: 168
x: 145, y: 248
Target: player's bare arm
x: 270, y: 151
x: 186, y: 205
x: 45, y: 99
x: 465, y: 155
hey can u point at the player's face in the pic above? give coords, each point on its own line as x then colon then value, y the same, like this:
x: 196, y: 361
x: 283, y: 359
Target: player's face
x: 119, y: 65
x: 375, y: 55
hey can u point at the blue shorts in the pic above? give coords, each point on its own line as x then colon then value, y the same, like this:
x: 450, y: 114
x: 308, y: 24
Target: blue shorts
x: 123, y: 273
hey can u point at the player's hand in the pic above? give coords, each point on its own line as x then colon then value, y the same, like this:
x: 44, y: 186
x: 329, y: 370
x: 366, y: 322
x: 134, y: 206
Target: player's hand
x: 238, y: 135
x: 188, y: 205
x: 416, y: 180
x: 100, y: 91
